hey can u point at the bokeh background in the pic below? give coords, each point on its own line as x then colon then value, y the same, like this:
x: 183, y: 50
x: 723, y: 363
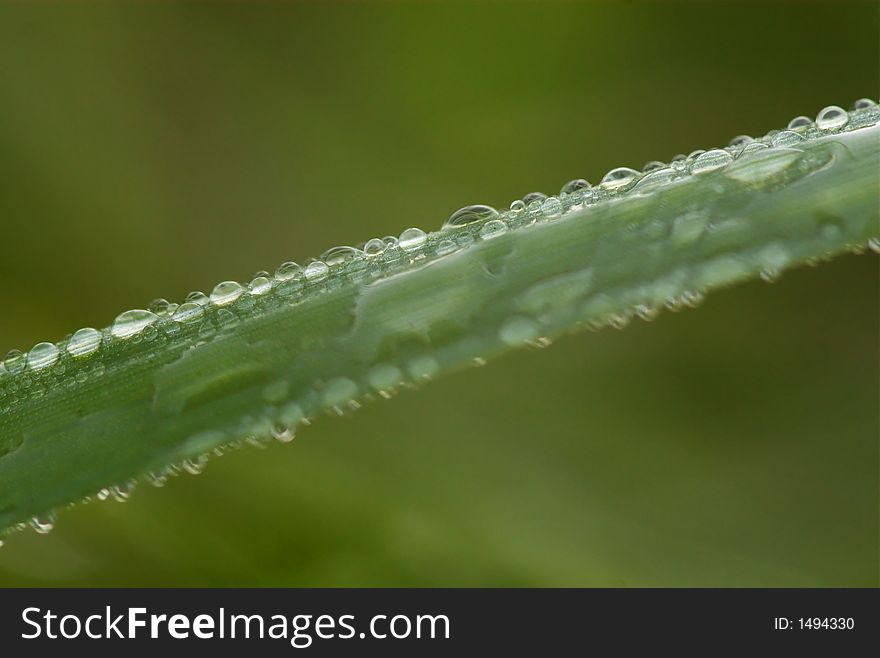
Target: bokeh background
x: 152, y: 149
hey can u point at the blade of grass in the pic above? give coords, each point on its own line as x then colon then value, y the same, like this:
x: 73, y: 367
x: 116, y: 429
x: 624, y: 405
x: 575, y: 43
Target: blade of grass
x: 160, y: 390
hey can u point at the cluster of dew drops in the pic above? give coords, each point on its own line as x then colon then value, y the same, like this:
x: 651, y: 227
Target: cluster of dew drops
x: 463, y: 227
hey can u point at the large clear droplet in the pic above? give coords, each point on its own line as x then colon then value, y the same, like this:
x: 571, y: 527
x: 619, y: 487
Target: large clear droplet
x: 42, y: 355
x: 618, y: 177
x: 531, y: 197
x: 260, y: 284
x: 375, y: 247
x: 574, y: 186
x: 710, y: 160
x: 84, y: 342
x: 787, y: 138
x: 316, y: 270
x: 43, y: 524
x: 15, y: 361
x: 469, y: 215
x: 412, y: 239
x: 339, y: 255
x: 131, y: 323
x: 800, y: 122
x: 653, y: 165
x: 741, y: 140
x: 493, y: 229
x: 226, y: 292
x: 197, y: 297
x: 188, y: 312
x: 832, y: 118
x: 287, y: 271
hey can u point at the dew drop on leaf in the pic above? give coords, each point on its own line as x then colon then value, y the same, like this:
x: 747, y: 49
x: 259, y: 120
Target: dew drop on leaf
x: 42, y: 355
x: 412, y: 239
x: 470, y: 215
x: 131, y: 323
x: 832, y: 118
x: 226, y: 292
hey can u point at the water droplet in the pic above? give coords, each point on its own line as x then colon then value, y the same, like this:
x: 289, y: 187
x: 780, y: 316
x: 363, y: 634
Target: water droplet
x: 446, y: 247
x: 653, y: 165
x: 620, y: 320
x: 188, y: 312
x: 800, y: 122
x: 15, y: 361
x: 42, y: 355
x: 197, y: 297
x: 751, y: 147
x: 226, y: 292
x: 292, y: 414
x: 287, y: 271
x: 693, y: 298
x: 551, y: 207
x: 832, y: 118
x: 578, y: 184
x: 654, y: 179
x: 412, y: 239
x: 518, y: 330
x: 103, y: 494
x: 131, y: 323
x: 260, y: 285
x: 619, y: 177
x: 338, y: 391
x: 282, y: 433
x: 710, y: 161
x: 864, y: 104
x: 375, y: 247
x: 517, y: 206
x: 339, y: 255
x: 674, y: 303
x: 874, y: 245
x: 470, y: 215
x: 493, y: 229
x: 422, y: 367
x: 156, y: 479
x: 195, y: 465
x: 773, y: 259
x: 43, y: 524
x: 122, y: 492
x: 384, y: 377
x: 787, y: 138
x: 316, y: 270
x: 647, y: 312
x: 161, y: 306
x: 531, y: 197
x: 741, y: 140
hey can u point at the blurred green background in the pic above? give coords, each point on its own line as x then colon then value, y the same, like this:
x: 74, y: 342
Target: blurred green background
x: 152, y: 149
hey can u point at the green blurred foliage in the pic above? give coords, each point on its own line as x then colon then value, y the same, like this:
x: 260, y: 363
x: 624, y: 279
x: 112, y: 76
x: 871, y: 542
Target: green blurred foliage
x: 151, y: 149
